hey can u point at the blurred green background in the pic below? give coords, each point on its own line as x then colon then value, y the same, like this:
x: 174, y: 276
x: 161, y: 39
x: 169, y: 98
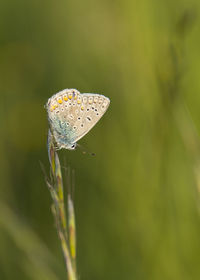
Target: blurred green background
x: 137, y: 201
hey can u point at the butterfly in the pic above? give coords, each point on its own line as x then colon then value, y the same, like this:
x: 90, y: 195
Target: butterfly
x: 72, y: 114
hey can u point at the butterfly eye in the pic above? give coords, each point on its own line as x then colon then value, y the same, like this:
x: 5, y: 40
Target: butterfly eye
x: 73, y: 146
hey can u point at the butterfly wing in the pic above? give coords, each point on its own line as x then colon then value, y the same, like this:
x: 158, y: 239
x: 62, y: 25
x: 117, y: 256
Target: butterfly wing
x: 72, y: 114
x: 91, y: 109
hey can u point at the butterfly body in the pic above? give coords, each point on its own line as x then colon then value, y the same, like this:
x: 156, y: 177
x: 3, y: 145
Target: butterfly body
x: 72, y: 114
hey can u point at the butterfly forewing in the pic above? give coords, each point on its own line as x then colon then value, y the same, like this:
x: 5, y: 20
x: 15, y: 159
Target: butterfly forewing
x: 91, y: 109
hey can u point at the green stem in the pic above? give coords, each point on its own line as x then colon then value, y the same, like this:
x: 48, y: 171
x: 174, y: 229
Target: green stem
x: 58, y: 209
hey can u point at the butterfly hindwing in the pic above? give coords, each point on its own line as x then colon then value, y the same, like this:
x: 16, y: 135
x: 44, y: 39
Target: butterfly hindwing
x: 72, y: 114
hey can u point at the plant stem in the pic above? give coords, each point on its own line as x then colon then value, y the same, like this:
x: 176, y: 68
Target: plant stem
x: 55, y: 186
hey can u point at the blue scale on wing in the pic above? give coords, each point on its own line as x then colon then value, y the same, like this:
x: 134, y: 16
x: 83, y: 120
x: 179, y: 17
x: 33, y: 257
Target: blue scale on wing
x: 63, y: 132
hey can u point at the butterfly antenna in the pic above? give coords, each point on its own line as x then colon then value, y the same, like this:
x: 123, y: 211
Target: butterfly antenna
x: 84, y: 151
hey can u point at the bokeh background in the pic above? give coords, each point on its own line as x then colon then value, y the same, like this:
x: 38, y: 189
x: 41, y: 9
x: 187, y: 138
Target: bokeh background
x: 137, y: 201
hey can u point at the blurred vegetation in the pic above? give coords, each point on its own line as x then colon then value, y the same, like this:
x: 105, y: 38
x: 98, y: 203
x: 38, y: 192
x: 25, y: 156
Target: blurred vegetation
x: 137, y: 202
